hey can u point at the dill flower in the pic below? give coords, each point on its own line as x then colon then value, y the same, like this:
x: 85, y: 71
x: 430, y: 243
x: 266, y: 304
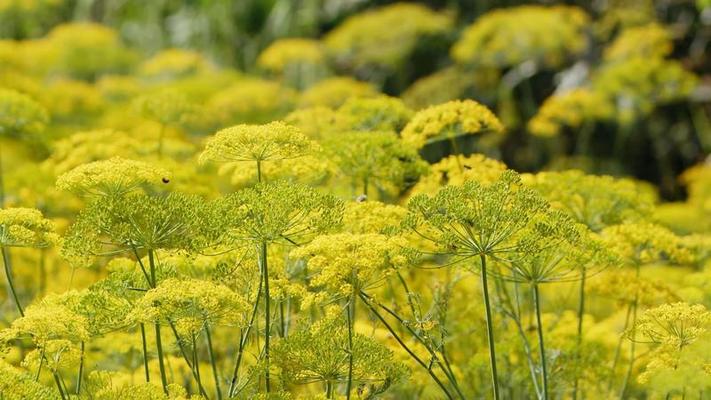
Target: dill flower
x: 168, y: 107
x: 362, y: 217
x: 190, y: 304
x: 275, y: 141
x: 19, y: 114
x: 674, y: 325
x: 647, y: 41
x: 317, y: 353
x: 507, y: 37
x: 378, y: 159
x: 644, y: 243
x: 111, y: 225
x: 448, y: 121
x: 449, y: 84
x: 571, y: 109
x: 113, y: 177
x: 68, y: 99
x: 49, y: 319
x: 25, y: 227
x: 595, y: 201
x: 346, y: 263
x: 86, y: 50
x: 317, y: 122
x: 381, y: 113
x: 276, y: 212
x: 15, y: 384
x: 88, y: 146
x: 250, y: 100
x: 637, y: 85
x: 170, y: 64
x: 378, y: 37
x: 333, y: 92
x: 299, y: 61
x: 457, y: 169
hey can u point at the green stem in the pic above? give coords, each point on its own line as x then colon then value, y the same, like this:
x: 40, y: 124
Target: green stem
x: 39, y: 369
x: 259, y: 171
x: 350, y: 316
x: 329, y: 389
x: 579, y: 337
x: 635, y: 303
x: 618, y: 348
x: 187, y: 360
x: 489, y: 327
x: 244, y: 337
x: 10, y: 283
x: 211, y: 354
x: 267, y: 311
x: 58, y: 382
x: 541, y: 343
x: 196, y: 361
x: 81, y: 369
x: 145, y: 352
x: 159, y: 341
x: 405, y: 347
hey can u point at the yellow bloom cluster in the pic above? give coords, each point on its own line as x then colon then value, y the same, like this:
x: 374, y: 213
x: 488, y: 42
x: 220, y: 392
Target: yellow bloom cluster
x: 88, y: 146
x: 250, y: 100
x: 648, y: 41
x: 381, y: 113
x: 19, y: 114
x: 17, y: 385
x: 333, y: 92
x: 457, y: 169
x: 449, y: 120
x: 174, y: 63
x: 49, y: 320
x: 644, y: 243
x: 371, y: 217
x: 25, y: 227
x: 569, y: 110
x: 269, y: 142
x: 190, y: 304
x: 317, y: 122
x: 286, y: 53
x: 510, y: 36
x: 112, y: 177
x: 379, y: 37
x: 346, y: 263
x: 674, y: 325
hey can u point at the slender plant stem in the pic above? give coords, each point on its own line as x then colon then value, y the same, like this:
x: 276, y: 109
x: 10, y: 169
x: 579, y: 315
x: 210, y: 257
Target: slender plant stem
x: 618, y: 348
x: 405, y: 347
x: 39, y: 369
x: 81, y: 369
x: 211, y: 354
x: 196, y: 361
x: 259, y: 171
x: 145, y: 352
x: 541, y: 342
x: 58, y: 382
x: 633, y: 343
x: 159, y: 341
x: 329, y: 389
x: 579, y: 337
x: 267, y: 311
x: 190, y: 364
x: 350, y: 316
x: 244, y: 337
x: 489, y: 327
x: 10, y: 283
x: 161, y: 137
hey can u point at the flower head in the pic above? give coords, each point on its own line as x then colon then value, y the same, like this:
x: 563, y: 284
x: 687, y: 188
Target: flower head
x: 25, y: 227
x: 19, y: 114
x: 112, y: 177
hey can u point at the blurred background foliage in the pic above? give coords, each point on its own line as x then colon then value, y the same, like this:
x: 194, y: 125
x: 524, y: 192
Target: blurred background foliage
x: 639, y: 67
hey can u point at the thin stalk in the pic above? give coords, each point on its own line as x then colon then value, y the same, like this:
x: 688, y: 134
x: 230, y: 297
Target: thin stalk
x: 350, y: 316
x: 618, y: 348
x: 243, y: 339
x: 489, y: 327
x: 39, y: 369
x: 366, y: 183
x: 161, y: 137
x: 267, y: 311
x: 211, y: 354
x: 10, y: 283
x: 282, y: 319
x: 189, y: 363
x: 635, y: 303
x: 145, y: 352
x: 81, y: 369
x: 196, y: 361
x: 259, y: 171
x: 541, y: 342
x: 159, y: 341
x: 58, y: 382
x: 405, y: 347
x: 579, y: 337
x: 329, y: 389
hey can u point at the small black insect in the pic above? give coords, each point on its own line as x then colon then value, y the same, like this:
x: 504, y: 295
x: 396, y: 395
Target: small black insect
x: 165, y: 180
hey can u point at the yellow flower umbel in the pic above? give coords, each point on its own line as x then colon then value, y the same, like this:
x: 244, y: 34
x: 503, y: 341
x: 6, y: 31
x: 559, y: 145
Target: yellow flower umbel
x: 19, y: 114
x: 380, y: 38
x: 333, y: 92
x: 250, y: 100
x: 648, y: 41
x: 15, y: 384
x: 457, y: 169
x: 362, y: 217
x: 114, y: 177
x: 171, y: 64
x: 506, y: 37
x: 22, y: 227
x: 448, y: 121
x: 571, y: 110
x: 257, y: 144
x: 382, y: 113
x: 298, y: 61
